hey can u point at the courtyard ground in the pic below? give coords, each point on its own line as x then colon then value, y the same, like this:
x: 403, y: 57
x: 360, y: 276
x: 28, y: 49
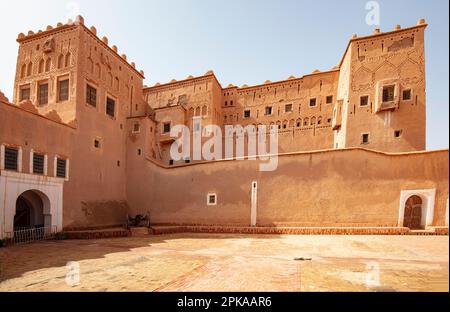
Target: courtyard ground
x: 225, y: 262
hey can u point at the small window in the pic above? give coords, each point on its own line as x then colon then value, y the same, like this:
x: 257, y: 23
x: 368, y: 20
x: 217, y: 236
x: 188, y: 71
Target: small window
x: 288, y: 108
x: 43, y: 93
x: 139, y: 152
x: 97, y: 143
x: 136, y: 128
x: 171, y: 162
x: 268, y: 111
x: 312, y: 102
x: 110, y: 107
x: 166, y: 127
x: 364, y: 100
x: 226, y: 103
x: 407, y: 96
x: 91, y: 95
x: 329, y: 99
x: 388, y: 93
x: 398, y: 133
x: 187, y: 160
x: 24, y: 93
x: 38, y: 163
x: 63, y: 90
x: 61, y: 167
x: 231, y: 103
x: 11, y: 158
x: 365, y: 138
x: 212, y: 199
x: 247, y: 114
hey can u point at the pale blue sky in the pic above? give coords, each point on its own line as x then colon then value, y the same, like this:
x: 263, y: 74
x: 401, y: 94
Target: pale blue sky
x: 243, y: 41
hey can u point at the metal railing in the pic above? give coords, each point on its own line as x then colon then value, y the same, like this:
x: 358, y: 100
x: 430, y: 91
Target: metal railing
x: 28, y: 235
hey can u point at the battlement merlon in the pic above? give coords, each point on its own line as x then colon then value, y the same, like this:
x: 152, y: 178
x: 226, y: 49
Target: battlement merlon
x: 377, y: 34
x: 79, y: 22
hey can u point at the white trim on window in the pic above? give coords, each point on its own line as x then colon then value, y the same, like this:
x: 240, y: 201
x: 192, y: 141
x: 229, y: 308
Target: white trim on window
x: 2, y: 157
x: 31, y: 161
x: 134, y: 131
x: 362, y: 138
x: 55, y: 160
x: 54, y: 166
x: 67, y: 169
x: 19, y: 160
x: 368, y: 100
x: 215, y: 199
x: 45, y: 164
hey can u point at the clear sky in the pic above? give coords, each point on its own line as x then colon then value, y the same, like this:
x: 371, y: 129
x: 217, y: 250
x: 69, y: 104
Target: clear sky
x: 243, y: 41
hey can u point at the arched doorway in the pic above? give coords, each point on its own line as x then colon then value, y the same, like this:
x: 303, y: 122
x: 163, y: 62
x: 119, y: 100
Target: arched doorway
x: 413, y: 213
x: 32, y: 211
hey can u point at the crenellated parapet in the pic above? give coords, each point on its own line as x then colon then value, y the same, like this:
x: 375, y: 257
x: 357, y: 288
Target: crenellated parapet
x: 71, y: 25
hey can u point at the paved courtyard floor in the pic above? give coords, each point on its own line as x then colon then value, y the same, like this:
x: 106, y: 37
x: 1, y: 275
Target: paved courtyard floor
x: 215, y: 262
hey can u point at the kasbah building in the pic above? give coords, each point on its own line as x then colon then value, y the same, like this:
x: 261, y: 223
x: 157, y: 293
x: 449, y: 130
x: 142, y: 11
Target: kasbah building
x: 84, y: 143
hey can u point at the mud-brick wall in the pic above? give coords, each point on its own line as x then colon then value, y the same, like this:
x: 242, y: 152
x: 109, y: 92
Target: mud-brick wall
x: 353, y: 187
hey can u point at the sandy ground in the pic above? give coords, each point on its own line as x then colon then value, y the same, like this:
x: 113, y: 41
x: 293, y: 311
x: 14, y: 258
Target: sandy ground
x: 213, y: 262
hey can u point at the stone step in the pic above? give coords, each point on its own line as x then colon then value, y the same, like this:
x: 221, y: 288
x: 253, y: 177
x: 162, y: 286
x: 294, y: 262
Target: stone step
x: 139, y: 231
x: 97, y: 234
x: 161, y: 230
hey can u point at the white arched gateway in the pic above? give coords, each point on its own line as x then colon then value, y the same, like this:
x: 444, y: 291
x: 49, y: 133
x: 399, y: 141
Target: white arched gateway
x: 29, y: 201
x: 416, y: 208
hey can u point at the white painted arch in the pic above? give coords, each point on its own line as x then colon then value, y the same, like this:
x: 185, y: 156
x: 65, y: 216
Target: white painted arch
x: 14, y: 184
x: 428, y: 197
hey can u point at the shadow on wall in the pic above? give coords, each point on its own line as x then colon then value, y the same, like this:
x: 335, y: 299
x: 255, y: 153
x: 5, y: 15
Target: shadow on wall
x: 96, y: 215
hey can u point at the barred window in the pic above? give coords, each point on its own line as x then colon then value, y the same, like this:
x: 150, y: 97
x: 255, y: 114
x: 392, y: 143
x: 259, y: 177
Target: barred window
x: 43, y: 94
x: 268, y: 111
x: 91, y: 95
x: 312, y: 102
x: 11, y: 158
x: 110, y: 107
x: 288, y: 108
x: 329, y: 99
x: 63, y: 90
x: 61, y: 168
x: 388, y: 93
x: 24, y: 93
x: 212, y: 199
x: 247, y: 114
x: 38, y: 163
